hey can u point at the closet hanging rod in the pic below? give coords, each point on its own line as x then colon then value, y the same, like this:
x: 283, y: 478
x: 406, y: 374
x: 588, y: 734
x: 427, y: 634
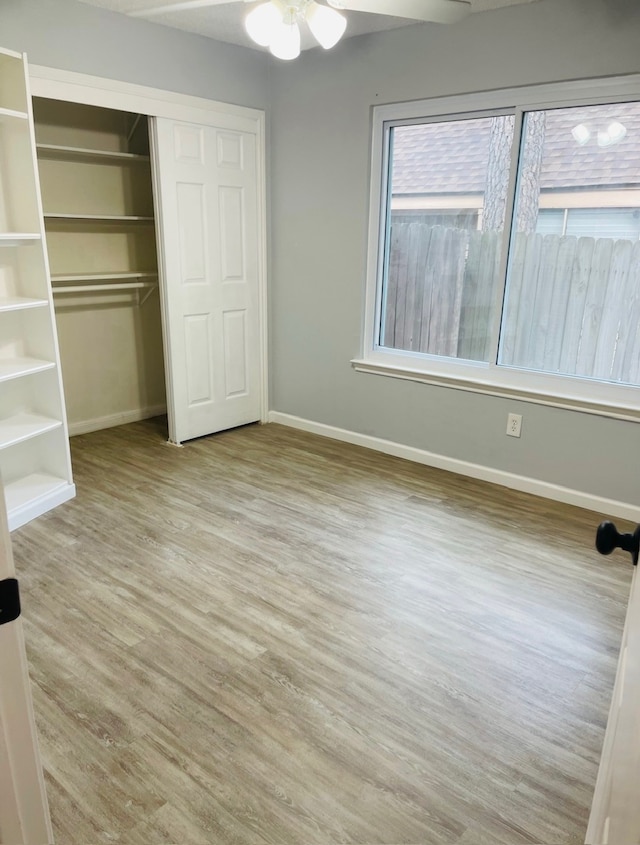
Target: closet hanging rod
x: 114, y: 286
x: 138, y: 287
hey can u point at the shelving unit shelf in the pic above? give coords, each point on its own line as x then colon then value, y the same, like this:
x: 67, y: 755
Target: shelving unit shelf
x: 19, y: 303
x: 10, y: 239
x: 11, y: 368
x: 35, y: 463
x: 21, y: 427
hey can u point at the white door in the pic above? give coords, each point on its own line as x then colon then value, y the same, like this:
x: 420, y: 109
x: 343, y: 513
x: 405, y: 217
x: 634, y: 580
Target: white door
x: 208, y: 219
x: 615, y: 812
x: 24, y: 813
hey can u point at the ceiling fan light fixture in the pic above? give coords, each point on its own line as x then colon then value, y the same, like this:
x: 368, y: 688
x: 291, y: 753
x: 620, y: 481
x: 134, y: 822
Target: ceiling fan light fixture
x: 285, y: 41
x: 326, y: 24
x: 263, y: 22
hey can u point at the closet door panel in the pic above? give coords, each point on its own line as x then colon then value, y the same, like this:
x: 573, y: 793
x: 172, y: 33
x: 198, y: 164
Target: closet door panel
x: 191, y: 227
x: 235, y: 353
x: 207, y: 197
x: 197, y: 334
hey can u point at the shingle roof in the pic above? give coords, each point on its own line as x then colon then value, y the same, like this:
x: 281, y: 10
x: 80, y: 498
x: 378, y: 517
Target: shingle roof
x: 452, y: 157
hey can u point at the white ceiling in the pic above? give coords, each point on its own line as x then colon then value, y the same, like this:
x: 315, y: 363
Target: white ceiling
x: 224, y: 22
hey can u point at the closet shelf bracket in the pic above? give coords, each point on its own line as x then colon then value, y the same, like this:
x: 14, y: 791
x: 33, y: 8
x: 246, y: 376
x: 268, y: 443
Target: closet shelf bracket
x: 133, y: 128
x: 142, y: 297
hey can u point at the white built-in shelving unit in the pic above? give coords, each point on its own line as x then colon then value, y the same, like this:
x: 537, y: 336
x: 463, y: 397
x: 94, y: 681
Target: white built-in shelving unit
x: 35, y: 461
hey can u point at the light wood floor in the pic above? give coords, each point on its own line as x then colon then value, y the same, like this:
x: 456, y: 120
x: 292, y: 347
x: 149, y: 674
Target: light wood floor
x: 269, y: 637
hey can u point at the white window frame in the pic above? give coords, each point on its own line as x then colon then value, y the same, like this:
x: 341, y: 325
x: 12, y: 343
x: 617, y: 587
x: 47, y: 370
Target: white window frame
x: 582, y: 394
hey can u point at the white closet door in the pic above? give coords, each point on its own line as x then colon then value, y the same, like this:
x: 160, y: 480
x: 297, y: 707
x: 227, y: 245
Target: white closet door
x: 24, y: 813
x: 208, y: 226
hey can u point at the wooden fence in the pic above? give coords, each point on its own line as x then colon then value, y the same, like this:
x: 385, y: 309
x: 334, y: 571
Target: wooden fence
x: 573, y: 304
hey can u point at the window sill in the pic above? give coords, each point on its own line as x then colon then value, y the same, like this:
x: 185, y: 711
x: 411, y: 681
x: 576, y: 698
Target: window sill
x: 505, y: 391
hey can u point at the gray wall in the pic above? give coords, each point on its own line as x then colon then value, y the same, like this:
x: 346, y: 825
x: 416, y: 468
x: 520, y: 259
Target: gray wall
x: 321, y: 108
x: 321, y: 118
x: 73, y: 36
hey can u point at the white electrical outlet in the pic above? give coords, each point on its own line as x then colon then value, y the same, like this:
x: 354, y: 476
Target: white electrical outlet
x: 514, y: 425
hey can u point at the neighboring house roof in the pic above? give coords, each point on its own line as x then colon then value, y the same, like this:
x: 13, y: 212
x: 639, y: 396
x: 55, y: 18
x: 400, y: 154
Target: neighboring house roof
x: 451, y: 157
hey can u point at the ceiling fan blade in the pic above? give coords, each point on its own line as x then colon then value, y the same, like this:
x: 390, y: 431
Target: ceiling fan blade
x: 184, y: 6
x: 438, y: 11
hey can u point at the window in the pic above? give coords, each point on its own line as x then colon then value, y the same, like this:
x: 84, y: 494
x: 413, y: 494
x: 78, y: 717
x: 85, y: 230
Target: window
x: 505, y: 244
x: 432, y: 257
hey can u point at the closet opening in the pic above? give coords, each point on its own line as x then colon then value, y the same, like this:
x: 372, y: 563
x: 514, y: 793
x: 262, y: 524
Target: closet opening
x: 98, y: 202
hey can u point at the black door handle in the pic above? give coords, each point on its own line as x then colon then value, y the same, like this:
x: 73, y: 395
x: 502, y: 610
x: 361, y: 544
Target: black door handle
x: 609, y: 538
x: 9, y: 600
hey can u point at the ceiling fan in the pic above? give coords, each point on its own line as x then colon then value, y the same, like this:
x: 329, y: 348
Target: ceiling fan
x: 275, y: 23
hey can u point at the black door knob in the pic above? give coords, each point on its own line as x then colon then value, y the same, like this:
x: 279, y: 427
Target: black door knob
x: 609, y: 538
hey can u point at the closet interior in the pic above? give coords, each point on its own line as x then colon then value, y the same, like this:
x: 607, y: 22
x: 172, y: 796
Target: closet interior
x: 97, y: 196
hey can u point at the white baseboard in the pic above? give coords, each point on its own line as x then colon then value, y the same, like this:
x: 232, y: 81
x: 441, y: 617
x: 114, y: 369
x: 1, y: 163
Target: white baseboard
x: 546, y: 490
x: 25, y: 513
x: 121, y: 418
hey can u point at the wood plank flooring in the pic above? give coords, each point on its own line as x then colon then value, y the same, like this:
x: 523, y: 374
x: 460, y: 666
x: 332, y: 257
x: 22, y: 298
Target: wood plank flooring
x: 270, y: 637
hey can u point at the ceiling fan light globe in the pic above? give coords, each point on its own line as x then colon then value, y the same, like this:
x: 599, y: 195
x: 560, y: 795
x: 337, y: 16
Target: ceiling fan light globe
x: 326, y: 24
x: 581, y: 134
x: 262, y: 22
x: 285, y: 42
x: 604, y: 139
x: 616, y: 131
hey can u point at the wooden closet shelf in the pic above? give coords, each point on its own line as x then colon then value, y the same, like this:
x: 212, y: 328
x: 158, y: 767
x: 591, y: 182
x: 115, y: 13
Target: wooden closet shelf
x: 77, y: 153
x: 107, y: 287
x: 98, y: 218
x: 20, y: 427
x: 19, y: 303
x: 97, y: 277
